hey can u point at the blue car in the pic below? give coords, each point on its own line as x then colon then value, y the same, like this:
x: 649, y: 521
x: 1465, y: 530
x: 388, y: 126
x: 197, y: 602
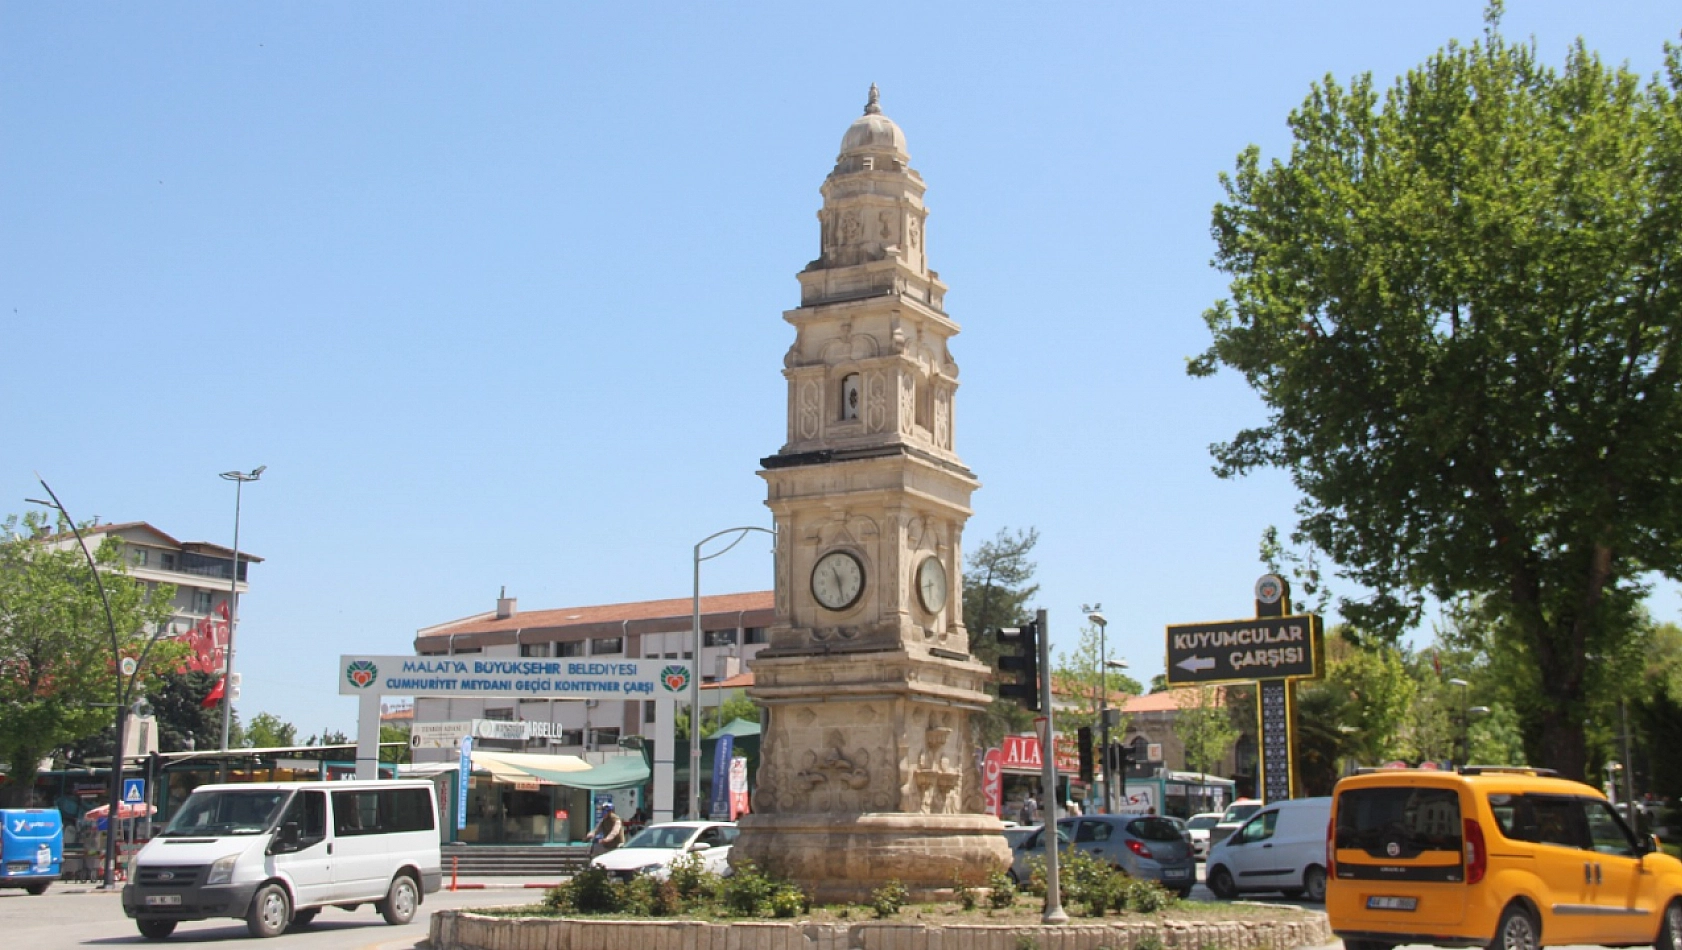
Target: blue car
x: 1141, y: 846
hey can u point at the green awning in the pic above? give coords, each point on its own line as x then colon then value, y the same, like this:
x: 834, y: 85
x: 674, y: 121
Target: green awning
x: 625, y: 771
x: 737, y: 728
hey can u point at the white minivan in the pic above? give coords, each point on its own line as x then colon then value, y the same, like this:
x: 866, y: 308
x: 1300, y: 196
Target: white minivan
x: 1281, y: 848
x: 275, y: 854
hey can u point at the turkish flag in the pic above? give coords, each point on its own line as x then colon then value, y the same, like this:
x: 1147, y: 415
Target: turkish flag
x: 215, y: 695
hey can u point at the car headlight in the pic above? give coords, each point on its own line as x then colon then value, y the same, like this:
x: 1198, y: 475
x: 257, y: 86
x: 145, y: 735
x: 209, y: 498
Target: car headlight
x: 223, y: 870
x: 650, y: 868
x: 133, y: 867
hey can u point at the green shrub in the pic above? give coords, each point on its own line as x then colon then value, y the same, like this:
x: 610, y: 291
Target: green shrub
x: 591, y: 891
x: 1002, y: 891
x: 965, y: 895
x: 887, y: 900
x: 1148, y: 897
x: 1148, y: 942
x: 787, y: 901
x: 694, y: 883
x: 746, y: 891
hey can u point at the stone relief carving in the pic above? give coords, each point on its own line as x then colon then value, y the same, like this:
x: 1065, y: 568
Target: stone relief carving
x: 935, y: 777
x: 896, y: 336
x: 916, y: 232
x: 808, y: 412
x: 851, y: 228
x: 943, y: 418
x: 832, y: 778
x: 885, y: 220
x: 876, y: 402
x: 907, y: 403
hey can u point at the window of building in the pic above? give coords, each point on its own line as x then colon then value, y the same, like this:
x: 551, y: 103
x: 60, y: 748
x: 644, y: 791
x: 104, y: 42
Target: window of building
x: 850, y: 397
x: 504, y: 714
x: 756, y: 635
x: 460, y: 650
x: 719, y: 638
x: 573, y: 648
x: 139, y: 556
x: 572, y: 737
x: 168, y: 561
x: 604, y: 645
x: 534, y: 649
x: 203, y: 601
x: 648, y: 712
x: 607, y: 737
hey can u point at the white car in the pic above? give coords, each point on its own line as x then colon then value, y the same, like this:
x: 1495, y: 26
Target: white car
x: 652, y: 850
x: 1197, y: 829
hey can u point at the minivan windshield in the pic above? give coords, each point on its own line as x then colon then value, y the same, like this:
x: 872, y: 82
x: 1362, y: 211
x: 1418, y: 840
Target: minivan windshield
x: 1398, y: 821
x: 1238, y: 811
x: 241, y: 812
x: 1153, y: 829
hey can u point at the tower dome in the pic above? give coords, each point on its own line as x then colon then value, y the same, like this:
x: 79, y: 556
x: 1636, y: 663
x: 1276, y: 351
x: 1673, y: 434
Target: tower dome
x: 873, y: 131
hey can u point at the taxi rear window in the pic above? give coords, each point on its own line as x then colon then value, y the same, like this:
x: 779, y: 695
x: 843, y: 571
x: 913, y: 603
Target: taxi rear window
x: 1399, y: 822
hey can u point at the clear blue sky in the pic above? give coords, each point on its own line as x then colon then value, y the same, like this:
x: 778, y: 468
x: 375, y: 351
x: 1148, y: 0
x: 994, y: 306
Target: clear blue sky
x: 495, y: 290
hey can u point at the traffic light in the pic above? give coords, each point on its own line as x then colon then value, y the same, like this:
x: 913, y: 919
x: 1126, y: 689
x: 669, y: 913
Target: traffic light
x: 1118, y: 758
x: 1025, y: 688
x: 1084, y: 733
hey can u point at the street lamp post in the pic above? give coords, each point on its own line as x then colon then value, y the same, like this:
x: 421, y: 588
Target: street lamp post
x: 239, y: 479
x: 123, y: 694
x: 1093, y: 616
x: 695, y: 661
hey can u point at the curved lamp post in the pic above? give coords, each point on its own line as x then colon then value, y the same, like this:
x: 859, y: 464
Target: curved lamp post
x: 126, y: 677
x: 239, y: 479
x: 695, y: 653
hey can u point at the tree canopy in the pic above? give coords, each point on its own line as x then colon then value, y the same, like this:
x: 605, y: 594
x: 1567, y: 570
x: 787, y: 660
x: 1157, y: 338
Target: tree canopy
x: 998, y: 587
x: 1459, y: 302
x: 56, y: 660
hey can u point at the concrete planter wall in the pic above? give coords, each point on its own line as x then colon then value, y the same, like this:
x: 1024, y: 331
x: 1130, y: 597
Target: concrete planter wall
x: 462, y: 930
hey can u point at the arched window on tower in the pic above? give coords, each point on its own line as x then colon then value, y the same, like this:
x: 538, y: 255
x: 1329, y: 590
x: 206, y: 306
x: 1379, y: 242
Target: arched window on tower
x: 925, y: 404
x: 850, y: 397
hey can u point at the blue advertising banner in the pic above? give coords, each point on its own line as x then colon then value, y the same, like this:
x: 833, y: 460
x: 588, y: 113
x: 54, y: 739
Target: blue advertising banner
x: 462, y: 779
x: 723, y: 750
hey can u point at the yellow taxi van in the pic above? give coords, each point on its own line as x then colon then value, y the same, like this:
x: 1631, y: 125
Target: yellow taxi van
x: 1508, y: 858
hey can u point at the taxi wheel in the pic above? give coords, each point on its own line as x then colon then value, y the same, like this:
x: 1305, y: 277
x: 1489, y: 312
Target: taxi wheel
x: 1670, y: 934
x: 1221, y: 885
x: 1517, y: 931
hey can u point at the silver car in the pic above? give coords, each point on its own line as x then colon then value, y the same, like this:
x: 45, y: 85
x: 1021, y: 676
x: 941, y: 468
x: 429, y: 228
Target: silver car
x: 1141, y: 846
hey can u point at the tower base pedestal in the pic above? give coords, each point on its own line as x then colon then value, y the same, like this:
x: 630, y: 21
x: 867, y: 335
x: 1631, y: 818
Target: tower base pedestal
x: 843, y: 858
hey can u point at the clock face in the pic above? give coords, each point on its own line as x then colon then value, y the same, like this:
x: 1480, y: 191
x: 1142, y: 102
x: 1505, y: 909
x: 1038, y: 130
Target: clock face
x: 931, y: 584
x: 837, y: 580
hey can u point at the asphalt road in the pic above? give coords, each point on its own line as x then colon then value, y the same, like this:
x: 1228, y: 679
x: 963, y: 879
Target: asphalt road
x: 78, y: 916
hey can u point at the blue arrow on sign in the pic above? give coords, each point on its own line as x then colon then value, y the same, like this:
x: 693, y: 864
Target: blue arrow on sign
x: 134, y: 791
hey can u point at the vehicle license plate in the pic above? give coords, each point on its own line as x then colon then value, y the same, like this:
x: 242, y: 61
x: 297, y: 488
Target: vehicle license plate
x: 162, y: 900
x: 1392, y: 903
x: 1174, y: 872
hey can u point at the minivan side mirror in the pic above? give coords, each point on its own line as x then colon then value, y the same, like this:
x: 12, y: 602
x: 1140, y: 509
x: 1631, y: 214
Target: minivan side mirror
x: 700, y: 846
x: 289, y: 835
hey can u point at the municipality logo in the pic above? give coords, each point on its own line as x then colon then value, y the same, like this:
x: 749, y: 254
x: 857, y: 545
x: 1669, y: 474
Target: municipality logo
x: 674, y: 678
x: 362, y: 673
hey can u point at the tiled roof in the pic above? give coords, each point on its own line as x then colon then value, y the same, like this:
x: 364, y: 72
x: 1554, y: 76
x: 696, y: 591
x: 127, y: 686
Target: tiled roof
x: 1171, y: 700
x: 741, y: 680
x: 120, y: 527
x: 606, y: 614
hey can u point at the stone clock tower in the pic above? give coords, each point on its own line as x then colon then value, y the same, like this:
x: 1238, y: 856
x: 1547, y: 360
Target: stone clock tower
x: 869, y: 766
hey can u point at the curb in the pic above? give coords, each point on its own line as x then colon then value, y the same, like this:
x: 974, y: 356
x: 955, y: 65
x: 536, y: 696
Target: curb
x: 497, y: 887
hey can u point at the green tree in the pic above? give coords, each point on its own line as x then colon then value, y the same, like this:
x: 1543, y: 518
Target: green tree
x: 1204, y: 727
x: 268, y: 731
x: 998, y: 587
x: 394, y: 753
x: 184, y: 723
x: 56, y: 663
x: 1458, y: 302
x: 1080, y: 679
x: 737, y: 705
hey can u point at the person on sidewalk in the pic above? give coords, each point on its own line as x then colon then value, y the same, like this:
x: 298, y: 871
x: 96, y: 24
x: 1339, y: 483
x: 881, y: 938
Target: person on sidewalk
x: 609, y: 833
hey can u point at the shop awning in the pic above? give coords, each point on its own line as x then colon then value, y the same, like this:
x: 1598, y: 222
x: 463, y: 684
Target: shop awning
x: 624, y: 771
x: 513, y: 768
x: 737, y: 728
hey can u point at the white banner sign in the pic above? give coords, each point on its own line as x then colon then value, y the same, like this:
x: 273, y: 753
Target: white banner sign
x: 478, y: 676
x: 437, y: 735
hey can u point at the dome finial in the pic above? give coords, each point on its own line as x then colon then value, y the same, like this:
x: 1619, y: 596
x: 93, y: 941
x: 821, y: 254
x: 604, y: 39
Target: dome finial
x: 873, y: 107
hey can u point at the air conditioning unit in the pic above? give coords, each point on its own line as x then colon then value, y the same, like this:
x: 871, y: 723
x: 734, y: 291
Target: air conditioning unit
x: 592, y: 703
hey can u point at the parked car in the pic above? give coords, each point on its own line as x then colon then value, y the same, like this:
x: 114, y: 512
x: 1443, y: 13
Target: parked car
x: 1281, y: 848
x: 652, y: 850
x: 1507, y: 857
x: 1198, y: 828
x: 1236, y: 814
x: 1142, y: 846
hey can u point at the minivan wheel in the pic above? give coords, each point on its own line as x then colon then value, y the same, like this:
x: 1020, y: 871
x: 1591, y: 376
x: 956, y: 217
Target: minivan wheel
x: 1314, y: 884
x: 1670, y: 932
x: 1220, y: 884
x: 271, y: 911
x: 1518, y: 931
x: 155, y: 929
x: 303, y: 918
x: 400, y: 902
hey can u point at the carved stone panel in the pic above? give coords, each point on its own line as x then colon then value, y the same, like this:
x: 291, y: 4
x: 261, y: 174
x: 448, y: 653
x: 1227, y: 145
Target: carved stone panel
x: 810, y: 410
